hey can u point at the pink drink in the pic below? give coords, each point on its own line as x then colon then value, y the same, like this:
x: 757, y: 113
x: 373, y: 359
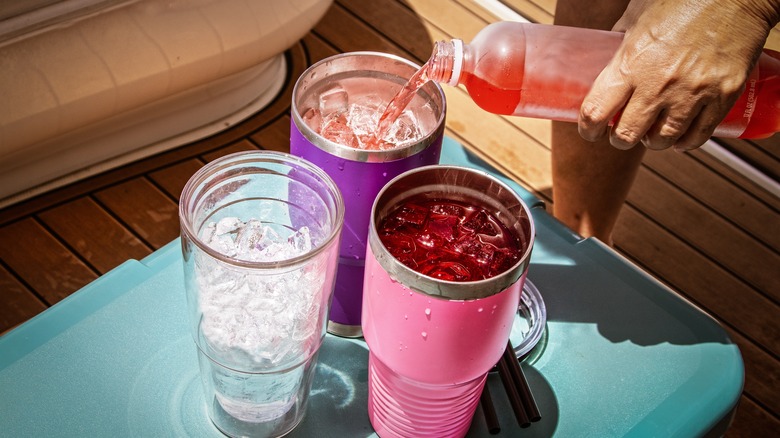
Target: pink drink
x: 433, y: 338
x: 336, y: 106
x: 544, y: 71
x: 353, y: 115
x: 400, y: 101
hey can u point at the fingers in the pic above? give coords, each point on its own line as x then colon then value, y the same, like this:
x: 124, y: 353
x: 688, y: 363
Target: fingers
x: 671, y: 126
x: 634, y: 124
x: 700, y: 130
x: 606, y: 98
x: 640, y: 116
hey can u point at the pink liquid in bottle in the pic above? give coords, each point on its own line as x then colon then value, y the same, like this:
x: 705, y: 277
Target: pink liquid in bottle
x: 544, y: 71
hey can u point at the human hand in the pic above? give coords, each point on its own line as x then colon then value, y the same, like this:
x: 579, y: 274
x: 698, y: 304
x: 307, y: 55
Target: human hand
x: 678, y: 72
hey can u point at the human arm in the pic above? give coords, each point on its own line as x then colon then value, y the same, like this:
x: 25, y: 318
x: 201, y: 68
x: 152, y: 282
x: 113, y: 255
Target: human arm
x: 679, y: 70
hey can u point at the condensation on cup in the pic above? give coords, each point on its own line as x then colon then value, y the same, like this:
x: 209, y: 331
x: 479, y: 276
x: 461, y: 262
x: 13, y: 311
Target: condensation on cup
x: 431, y: 341
x: 353, y: 87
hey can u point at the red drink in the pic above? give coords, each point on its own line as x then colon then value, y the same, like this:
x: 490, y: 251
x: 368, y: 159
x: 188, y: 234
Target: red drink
x: 449, y: 240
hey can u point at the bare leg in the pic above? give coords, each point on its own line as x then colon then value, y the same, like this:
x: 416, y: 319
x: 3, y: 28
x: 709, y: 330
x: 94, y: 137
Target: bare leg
x: 590, y: 180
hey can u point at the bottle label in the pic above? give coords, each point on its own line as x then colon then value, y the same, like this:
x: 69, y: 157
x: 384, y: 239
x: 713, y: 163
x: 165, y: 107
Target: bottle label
x: 737, y: 119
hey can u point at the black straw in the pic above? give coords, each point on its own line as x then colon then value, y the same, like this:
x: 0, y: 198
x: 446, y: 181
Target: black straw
x: 526, y: 396
x: 512, y: 392
x: 491, y: 418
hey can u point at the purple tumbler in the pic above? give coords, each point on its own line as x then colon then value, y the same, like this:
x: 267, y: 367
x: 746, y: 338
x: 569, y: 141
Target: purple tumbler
x: 361, y: 173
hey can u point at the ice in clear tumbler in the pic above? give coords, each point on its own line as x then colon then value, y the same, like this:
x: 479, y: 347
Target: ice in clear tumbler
x: 260, y: 235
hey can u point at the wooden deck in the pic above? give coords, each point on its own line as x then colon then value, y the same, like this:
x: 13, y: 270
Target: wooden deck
x: 692, y: 222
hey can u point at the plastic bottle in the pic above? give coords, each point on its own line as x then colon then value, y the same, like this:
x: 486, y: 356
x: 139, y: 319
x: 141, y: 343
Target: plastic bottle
x: 545, y: 71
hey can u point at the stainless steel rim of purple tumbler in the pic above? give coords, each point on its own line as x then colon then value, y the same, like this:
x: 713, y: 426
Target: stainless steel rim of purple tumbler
x: 370, y: 65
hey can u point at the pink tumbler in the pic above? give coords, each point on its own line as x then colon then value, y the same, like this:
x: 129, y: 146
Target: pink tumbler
x: 431, y: 341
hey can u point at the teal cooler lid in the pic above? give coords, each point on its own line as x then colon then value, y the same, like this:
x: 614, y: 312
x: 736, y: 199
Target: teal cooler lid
x: 622, y: 355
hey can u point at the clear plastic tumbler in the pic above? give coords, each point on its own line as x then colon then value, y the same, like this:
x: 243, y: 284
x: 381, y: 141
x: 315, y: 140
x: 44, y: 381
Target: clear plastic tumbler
x: 432, y: 342
x: 335, y: 84
x: 260, y: 236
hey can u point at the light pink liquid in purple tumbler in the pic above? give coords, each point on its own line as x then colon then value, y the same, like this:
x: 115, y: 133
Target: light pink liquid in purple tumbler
x: 366, y: 121
x: 363, y: 120
x: 401, y: 100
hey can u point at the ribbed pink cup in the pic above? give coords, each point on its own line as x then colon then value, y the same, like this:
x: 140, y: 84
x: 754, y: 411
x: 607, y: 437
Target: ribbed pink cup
x: 432, y: 342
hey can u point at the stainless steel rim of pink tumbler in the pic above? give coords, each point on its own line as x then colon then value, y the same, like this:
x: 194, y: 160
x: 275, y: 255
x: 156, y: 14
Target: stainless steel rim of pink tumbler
x: 463, y: 184
x: 377, y: 65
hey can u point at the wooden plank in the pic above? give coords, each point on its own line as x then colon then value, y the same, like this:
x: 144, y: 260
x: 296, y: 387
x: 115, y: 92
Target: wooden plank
x: 239, y: 146
x: 348, y: 34
x: 734, y: 177
x: 274, y: 137
x: 753, y: 421
x: 773, y: 41
x: 711, y: 234
x: 172, y: 179
x: 453, y: 19
x: 719, y: 194
x: 395, y: 22
x: 762, y: 378
x: 317, y: 48
x: 146, y: 210
x: 512, y: 151
x: 94, y: 234
x: 480, y: 12
x: 540, y: 11
x: 761, y: 154
x: 18, y: 304
x: 724, y: 296
x: 41, y: 261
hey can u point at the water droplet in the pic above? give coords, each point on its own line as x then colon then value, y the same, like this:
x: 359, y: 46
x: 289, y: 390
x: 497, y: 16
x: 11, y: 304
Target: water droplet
x: 480, y: 310
x: 384, y: 173
x: 406, y: 316
x: 425, y: 335
x: 427, y: 312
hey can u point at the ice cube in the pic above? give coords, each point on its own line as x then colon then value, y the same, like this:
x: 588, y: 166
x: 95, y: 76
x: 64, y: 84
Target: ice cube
x: 208, y: 233
x: 502, y: 260
x: 333, y: 101
x: 404, y: 130
x: 338, y: 131
x: 228, y: 225
x: 313, y: 119
x: 445, y: 227
x: 447, y: 209
x: 447, y: 270
x: 412, y: 214
x: 300, y: 241
x: 362, y: 120
x: 247, y: 238
x: 480, y: 223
